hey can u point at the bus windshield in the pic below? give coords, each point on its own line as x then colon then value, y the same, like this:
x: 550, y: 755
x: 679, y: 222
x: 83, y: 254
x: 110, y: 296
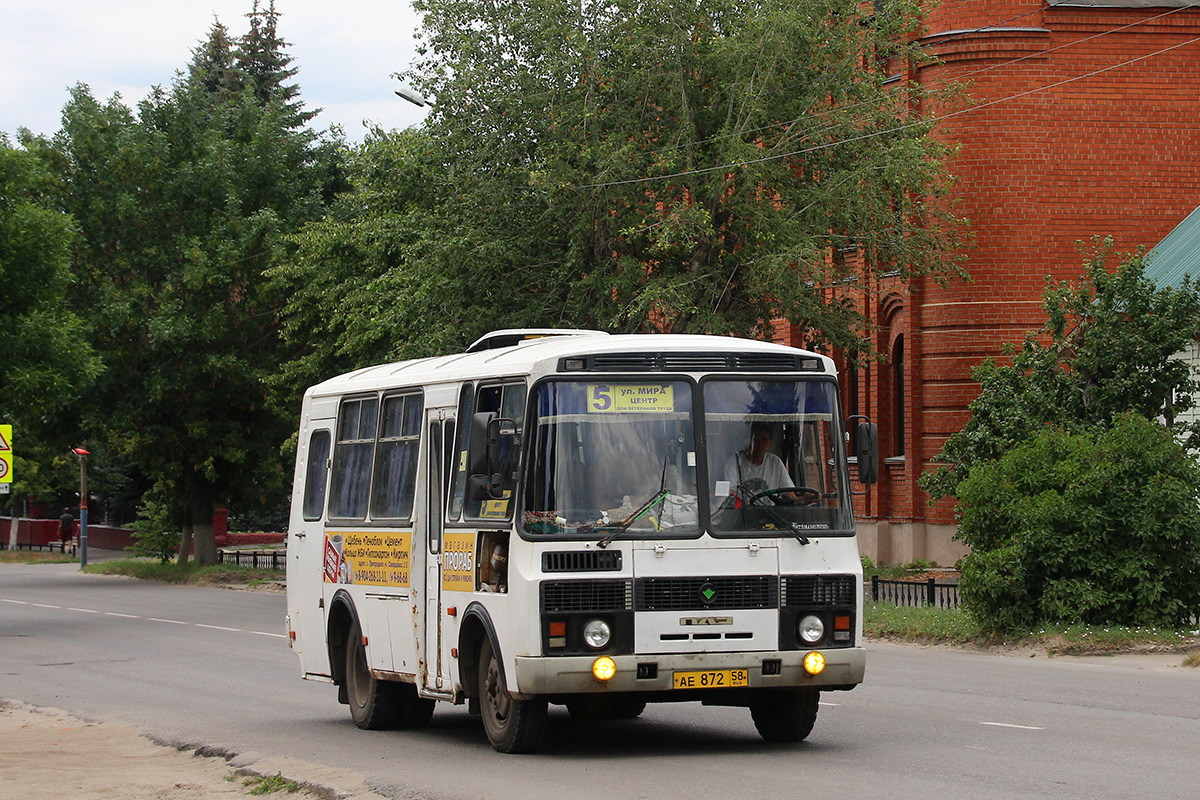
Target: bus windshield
x: 774, y: 457
x: 612, y: 457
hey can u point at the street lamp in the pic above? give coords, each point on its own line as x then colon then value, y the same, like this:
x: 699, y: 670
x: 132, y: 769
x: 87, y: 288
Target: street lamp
x: 83, y: 504
x: 411, y: 96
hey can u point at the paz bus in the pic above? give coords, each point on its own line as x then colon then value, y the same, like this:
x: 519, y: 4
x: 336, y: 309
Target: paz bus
x: 580, y: 519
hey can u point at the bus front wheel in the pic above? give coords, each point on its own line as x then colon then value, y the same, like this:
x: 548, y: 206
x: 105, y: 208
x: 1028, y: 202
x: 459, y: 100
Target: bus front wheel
x: 512, y: 726
x: 786, y: 716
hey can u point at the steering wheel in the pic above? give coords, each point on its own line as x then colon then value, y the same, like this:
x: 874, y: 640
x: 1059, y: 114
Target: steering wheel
x: 774, y: 495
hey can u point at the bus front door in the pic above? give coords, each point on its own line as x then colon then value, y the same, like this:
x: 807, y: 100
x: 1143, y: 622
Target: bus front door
x: 431, y: 665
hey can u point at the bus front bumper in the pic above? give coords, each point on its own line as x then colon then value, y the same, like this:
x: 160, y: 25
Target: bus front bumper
x: 541, y: 675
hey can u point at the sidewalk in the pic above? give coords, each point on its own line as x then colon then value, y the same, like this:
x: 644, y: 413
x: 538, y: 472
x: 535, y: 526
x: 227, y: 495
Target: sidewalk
x: 51, y: 755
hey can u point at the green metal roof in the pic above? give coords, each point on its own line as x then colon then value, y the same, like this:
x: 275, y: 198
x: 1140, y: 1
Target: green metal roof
x: 1176, y: 255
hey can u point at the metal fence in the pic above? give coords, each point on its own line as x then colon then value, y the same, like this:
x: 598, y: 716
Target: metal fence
x: 257, y: 559
x: 914, y: 593
x: 54, y: 547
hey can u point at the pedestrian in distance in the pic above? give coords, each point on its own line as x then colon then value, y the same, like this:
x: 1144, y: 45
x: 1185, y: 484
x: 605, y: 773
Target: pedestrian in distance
x: 66, y: 527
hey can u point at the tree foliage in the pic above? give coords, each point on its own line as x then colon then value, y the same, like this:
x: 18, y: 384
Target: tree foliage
x: 1101, y: 527
x: 1078, y: 502
x: 45, y: 358
x: 652, y: 166
x: 182, y: 206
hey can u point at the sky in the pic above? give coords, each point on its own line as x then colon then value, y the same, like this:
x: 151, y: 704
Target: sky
x: 345, y: 50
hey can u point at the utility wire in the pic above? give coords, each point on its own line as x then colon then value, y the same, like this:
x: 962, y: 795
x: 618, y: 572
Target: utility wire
x: 905, y: 126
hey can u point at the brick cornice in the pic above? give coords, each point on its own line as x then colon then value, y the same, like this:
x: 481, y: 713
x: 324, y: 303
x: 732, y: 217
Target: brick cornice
x: 987, y: 43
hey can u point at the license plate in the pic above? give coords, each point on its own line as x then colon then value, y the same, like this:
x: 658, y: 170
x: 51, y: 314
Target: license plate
x: 712, y: 679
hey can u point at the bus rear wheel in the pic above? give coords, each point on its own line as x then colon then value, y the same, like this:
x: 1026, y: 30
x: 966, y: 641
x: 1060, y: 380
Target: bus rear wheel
x: 380, y: 705
x: 512, y: 726
x: 786, y: 716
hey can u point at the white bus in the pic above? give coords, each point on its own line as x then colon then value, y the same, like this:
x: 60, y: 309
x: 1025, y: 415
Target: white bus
x: 574, y: 518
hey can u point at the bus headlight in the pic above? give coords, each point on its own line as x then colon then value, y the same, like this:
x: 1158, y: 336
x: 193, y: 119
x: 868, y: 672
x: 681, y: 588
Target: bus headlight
x: 811, y: 629
x: 597, y: 634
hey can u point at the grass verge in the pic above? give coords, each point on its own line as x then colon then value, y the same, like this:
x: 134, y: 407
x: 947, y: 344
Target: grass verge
x: 942, y: 626
x: 190, y: 573
x: 35, y: 557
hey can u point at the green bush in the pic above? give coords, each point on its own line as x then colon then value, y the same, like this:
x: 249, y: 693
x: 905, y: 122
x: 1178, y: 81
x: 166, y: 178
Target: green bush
x: 1100, y: 527
x: 155, y: 533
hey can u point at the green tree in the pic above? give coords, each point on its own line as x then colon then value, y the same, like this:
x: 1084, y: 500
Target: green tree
x: 265, y: 66
x: 1108, y: 346
x: 182, y: 206
x: 661, y: 166
x: 1101, y: 526
x: 45, y: 359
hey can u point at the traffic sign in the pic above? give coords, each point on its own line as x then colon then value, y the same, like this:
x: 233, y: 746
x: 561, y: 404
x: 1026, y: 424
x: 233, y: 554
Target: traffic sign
x: 6, y: 454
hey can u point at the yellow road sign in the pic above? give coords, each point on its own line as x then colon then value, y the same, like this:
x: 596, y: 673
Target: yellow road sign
x: 6, y: 454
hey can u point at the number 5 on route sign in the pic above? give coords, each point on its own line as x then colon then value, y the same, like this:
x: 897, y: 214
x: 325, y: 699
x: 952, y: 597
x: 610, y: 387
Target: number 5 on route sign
x: 6, y: 455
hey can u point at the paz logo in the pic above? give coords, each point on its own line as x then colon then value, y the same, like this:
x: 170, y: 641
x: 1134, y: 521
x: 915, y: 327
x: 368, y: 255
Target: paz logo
x: 708, y: 593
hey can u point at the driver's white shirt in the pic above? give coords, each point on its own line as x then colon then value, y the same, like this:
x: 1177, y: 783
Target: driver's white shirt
x: 755, y: 478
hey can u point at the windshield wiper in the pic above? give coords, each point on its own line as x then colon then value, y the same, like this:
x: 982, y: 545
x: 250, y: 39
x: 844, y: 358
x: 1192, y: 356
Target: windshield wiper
x: 791, y: 527
x: 634, y: 516
x: 637, y: 513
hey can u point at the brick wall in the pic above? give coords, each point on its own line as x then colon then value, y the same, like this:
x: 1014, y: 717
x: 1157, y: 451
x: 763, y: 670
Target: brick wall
x: 1038, y: 169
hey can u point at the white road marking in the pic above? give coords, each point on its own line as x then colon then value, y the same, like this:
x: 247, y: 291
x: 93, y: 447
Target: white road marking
x: 1010, y: 725
x: 148, y: 619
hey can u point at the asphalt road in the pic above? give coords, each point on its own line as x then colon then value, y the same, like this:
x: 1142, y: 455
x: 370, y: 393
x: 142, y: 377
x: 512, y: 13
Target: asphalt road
x: 212, y: 667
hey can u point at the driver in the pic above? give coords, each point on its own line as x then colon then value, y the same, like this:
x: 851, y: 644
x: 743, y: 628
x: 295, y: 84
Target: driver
x: 755, y: 469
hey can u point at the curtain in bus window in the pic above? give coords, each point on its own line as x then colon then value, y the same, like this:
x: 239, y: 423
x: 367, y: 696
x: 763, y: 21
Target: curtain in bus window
x: 316, y: 475
x: 396, y: 459
x: 351, y: 481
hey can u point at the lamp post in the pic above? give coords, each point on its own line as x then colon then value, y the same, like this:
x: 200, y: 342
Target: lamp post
x: 83, y: 504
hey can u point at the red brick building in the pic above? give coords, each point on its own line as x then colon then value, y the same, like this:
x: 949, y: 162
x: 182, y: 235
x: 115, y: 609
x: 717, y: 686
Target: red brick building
x: 1085, y: 122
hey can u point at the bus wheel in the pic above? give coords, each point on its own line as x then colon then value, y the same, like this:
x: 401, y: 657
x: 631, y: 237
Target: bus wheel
x: 374, y: 704
x: 786, y: 716
x: 512, y: 726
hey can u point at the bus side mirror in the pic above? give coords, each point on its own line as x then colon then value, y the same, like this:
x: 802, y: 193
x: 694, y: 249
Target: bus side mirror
x: 866, y: 446
x: 483, y: 455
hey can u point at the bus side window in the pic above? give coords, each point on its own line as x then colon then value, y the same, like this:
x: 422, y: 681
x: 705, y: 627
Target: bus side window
x: 316, y: 474
x: 351, y: 481
x: 466, y: 405
x: 394, y: 487
x: 507, y: 402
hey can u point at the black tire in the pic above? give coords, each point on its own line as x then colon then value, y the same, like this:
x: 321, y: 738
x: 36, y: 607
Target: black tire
x: 786, y: 716
x: 374, y: 704
x: 512, y: 726
x: 415, y: 711
x: 600, y: 707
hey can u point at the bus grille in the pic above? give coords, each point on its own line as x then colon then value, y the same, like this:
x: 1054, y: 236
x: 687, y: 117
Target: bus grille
x: 698, y: 594
x: 582, y: 561
x: 818, y: 590
x: 568, y: 596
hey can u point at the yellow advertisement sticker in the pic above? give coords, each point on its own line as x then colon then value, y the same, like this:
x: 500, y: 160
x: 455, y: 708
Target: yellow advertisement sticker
x: 458, y: 562
x: 607, y: 398
x: 370, y: 558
